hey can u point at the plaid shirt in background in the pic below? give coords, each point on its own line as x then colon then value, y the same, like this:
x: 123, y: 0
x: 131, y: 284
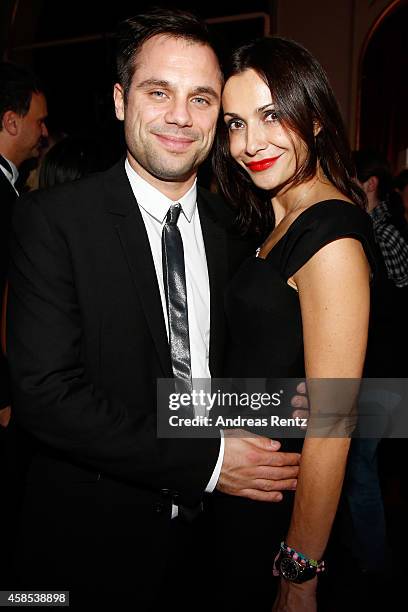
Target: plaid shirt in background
x: 393, y: 247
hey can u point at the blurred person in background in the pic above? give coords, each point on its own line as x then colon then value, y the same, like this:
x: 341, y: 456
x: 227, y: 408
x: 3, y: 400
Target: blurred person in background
x: 30, y: 170
x: 374, y: 176
x: 386, y: 354
x: 385, y: 359
x: 69, y: 160
x: 23, y: 111
x: 401, y: 187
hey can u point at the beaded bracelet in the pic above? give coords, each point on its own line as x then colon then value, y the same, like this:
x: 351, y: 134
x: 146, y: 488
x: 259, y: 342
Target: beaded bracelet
x: 302, y: 559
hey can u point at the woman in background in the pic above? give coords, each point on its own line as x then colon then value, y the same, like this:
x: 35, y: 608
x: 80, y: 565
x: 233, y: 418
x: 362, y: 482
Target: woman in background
x: 68, y: 160
x: 299, y: 306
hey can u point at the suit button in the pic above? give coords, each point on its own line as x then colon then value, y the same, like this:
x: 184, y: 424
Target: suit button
x: 159, y: 508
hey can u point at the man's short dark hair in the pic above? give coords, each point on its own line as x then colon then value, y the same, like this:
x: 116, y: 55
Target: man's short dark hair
x: 373, y: 163
x: 17, y: 85
x: 135, y: 31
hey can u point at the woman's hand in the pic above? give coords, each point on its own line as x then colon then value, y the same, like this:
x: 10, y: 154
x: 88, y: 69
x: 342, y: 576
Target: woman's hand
x: 294, y: 597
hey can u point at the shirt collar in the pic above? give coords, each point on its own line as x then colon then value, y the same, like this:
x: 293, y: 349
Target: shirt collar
x: 11, y: 177
x: 156, y: 203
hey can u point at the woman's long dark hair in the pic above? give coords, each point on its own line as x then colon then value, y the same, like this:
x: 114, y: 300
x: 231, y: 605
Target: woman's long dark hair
x: 302, y: 96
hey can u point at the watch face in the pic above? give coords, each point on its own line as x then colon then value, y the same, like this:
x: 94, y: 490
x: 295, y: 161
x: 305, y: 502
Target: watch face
x: 289, y: 568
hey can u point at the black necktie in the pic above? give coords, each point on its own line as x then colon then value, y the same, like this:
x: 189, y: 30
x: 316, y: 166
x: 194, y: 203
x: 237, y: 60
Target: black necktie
x: 174, y: 278
x: 6, y: 165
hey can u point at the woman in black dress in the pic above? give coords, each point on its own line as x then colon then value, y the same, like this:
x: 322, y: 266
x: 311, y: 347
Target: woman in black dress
x: 300, y: 305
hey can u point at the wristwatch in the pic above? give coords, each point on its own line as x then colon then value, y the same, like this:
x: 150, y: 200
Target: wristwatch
x: 295, y: 566
x: 292, y: 570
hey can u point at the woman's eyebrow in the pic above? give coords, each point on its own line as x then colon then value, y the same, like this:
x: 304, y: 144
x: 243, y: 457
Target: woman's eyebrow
x: 258, y: 110
x: 262, y: 108
x: 232, y: 115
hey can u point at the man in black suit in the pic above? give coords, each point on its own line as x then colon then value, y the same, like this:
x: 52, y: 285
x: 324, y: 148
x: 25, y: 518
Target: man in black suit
x: 109, y: 508
x: 23, y: 110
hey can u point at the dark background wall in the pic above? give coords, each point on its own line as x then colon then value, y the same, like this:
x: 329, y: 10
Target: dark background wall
x: 384, y: 91
x: 70, y: 47
x: 362, y: 45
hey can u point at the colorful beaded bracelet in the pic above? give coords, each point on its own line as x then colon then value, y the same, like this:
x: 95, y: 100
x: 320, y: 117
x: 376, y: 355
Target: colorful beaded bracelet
x: 302, y: 559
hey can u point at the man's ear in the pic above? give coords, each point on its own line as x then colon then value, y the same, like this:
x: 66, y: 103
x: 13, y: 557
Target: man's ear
x: 119, y: 99
x: 11, y: 122
x: 372, y: 184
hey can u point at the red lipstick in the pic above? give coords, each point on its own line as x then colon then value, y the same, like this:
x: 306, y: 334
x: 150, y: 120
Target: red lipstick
x: 262, y: 164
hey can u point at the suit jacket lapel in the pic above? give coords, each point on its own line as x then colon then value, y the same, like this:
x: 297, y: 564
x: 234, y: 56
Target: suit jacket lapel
x: 216, y: 253
x: 7, y: 191
x: 135, y: 242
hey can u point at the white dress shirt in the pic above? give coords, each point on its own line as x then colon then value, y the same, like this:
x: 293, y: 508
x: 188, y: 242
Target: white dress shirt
x: 12, y: 178
x: 153, y: 207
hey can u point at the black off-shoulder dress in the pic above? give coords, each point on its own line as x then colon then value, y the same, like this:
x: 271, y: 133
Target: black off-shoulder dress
x: 266, y: 341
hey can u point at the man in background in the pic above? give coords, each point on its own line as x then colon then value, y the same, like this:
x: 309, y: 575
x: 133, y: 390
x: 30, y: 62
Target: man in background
x: 374, y: 176
x: 385, y: 358
x: 23, y: 110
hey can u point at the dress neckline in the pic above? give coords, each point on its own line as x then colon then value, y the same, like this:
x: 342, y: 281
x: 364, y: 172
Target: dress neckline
x: 294, y: 223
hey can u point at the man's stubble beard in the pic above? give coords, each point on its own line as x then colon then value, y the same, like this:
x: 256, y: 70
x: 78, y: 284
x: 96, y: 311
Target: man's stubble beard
x: 160, y: 168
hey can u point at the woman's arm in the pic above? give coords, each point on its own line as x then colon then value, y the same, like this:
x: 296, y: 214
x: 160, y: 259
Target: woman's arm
x: 334, y: 297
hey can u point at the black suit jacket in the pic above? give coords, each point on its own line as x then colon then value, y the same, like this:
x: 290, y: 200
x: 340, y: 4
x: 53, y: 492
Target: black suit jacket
x: 7, y: 198
x: 87, y: 338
